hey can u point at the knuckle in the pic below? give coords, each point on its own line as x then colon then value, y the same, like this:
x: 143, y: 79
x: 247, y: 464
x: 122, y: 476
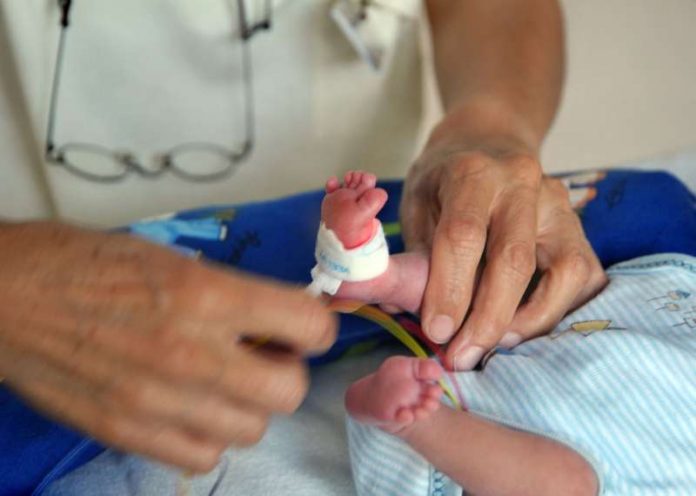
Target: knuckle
x: 278, y: 390
x: 246, y: 386
x: 134, y: 396
x: 112, y: 430
x: 253, y: 432
x: 178, y: 359
x: 216, y: 451
x: 207, y: 456
x: 317, y: 322
x: 576, y: 265
x: 209, y: 299
x: 489, y: 340
x: 527, y: 170
x: 465, y: 229
x: 184, y: 274
x: 205, y: 462
x: 545, y: 319
x: 422, y: 180
x: 597, y: 278
x: 557, y: 190
x: 471, y: 163
x: 198, y: 288
x: 453, y: 292
x: 574, y: 221
x: 293, y: 391
x: 522, y: 198
x: 562, y: 219
x: 519, y: 258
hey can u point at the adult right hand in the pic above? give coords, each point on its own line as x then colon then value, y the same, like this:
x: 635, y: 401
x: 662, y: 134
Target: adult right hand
x: 144, y: 349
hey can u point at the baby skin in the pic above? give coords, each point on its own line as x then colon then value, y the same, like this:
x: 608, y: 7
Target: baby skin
x: 402, y: 396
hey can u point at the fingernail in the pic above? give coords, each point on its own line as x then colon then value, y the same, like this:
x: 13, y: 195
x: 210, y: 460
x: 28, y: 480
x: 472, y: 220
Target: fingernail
x: 441, y: 328
x: 467, y: 359
x: 510, y: 340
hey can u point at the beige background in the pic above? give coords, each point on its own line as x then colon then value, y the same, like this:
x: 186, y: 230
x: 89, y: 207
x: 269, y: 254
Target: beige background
x: 630, y: 88
x: 631, y: 82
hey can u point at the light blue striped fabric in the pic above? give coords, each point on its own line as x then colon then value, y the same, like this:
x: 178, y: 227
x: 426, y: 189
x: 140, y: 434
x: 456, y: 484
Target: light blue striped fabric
x: 624, y: 395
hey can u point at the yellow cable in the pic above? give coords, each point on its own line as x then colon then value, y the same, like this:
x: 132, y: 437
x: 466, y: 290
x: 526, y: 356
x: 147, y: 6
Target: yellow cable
x: 384, y: 320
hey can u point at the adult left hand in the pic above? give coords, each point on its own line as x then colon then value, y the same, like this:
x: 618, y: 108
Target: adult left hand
x: 490, y: 219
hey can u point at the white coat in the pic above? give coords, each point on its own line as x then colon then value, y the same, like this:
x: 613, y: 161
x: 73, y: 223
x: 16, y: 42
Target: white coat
x: 147, y: 76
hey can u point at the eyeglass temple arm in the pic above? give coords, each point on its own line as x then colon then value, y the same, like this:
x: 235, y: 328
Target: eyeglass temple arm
x: 249, y: 30
x: 64, y: 6
x: 65, y: 12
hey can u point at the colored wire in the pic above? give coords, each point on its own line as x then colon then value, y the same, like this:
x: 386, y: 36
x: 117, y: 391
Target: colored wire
x: 385, y: 320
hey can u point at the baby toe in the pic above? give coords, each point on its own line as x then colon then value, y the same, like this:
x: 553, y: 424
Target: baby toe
x: 430, y: 405
x: 404, y: 416
x: 365, y: 181
x: 420, y: 413
x: 433, y: 391
x: 372, y: 201
x: 428, y: 370
x: 332, y: 185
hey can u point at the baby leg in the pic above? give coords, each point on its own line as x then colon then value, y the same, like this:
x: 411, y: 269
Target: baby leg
x: 481, y: 456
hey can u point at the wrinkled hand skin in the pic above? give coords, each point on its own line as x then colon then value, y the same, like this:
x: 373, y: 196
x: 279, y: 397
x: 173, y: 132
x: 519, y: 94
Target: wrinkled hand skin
x: 491, y: 221
x: 142, y: 348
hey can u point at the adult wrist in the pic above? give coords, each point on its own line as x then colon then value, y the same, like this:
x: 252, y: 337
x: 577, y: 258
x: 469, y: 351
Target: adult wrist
x: 487, y: 123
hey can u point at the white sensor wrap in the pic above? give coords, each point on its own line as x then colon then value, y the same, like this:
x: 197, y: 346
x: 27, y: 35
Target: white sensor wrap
x: 336, y: 264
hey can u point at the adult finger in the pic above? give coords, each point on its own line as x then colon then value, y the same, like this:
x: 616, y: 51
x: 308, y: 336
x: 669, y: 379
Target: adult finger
x: 559, y: 286
x: 571, y: 272
x: 230, y: 369
x: 259, y: 308
x: 277, y: 382
x: 418, y: 220
x: 420, y: 207
x: 510, y: 263
x: 134, y: 392
x: 458, y: 245
x: 163, y: 442
x: 200, y: 412
x: 100, y: 352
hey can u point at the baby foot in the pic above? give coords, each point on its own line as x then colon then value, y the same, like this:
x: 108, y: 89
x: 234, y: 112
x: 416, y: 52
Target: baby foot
x: 349, y: 210
x: 403, y: 391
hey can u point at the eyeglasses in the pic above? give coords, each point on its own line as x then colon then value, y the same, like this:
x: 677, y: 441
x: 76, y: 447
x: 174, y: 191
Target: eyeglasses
x: 192, y: 161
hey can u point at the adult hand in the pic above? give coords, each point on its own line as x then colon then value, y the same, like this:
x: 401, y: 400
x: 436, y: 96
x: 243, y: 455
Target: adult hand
x: 144, y: 349
x: 473, y: 204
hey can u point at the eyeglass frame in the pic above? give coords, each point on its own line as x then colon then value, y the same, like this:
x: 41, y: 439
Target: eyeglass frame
x: 56, y: 155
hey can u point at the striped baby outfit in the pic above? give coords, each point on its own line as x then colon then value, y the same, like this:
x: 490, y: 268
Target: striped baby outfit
x: 616, y: 381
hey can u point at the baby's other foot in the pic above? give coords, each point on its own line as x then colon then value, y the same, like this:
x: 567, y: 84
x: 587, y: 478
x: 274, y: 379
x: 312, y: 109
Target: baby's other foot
x: 401, y: 392
x: 350, y: 209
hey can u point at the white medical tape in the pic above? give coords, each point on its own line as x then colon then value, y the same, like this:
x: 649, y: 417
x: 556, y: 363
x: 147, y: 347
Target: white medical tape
x: 336, y: 264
